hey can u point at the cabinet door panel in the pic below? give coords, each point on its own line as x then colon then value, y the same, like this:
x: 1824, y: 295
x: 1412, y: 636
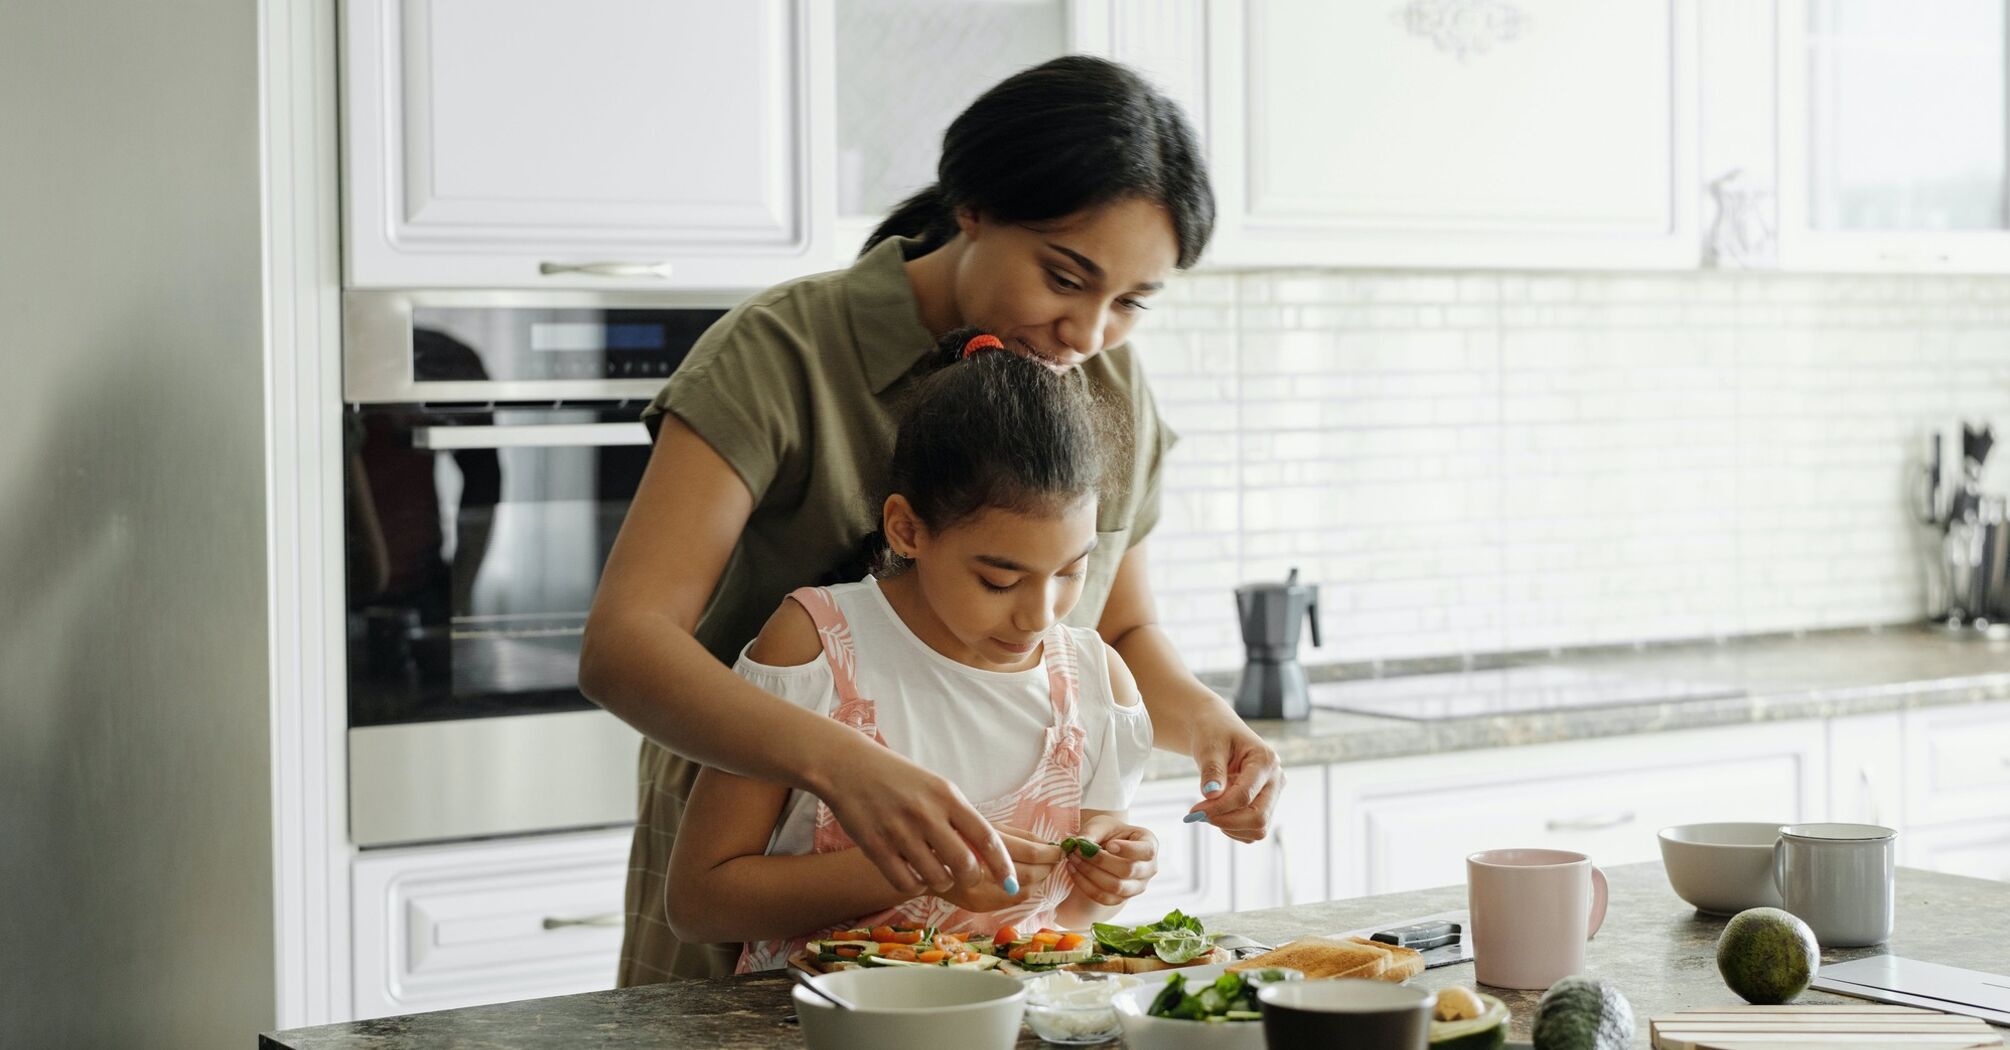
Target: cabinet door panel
x: 1957, y: 764
x: 1535, y: 132
x: 498, y: 142
x: 450, y: 926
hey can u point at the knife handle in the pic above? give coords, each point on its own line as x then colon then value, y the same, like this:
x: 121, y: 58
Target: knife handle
x: 1421, y: 936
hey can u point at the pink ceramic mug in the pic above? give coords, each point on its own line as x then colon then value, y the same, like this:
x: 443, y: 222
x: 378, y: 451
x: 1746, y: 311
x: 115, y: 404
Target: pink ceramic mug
x: 1532, y: 911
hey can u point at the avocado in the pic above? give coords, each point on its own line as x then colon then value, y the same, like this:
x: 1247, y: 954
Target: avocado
x: 1488, y: 1031
x: 1767, y: 956
x: 1583, y: 1013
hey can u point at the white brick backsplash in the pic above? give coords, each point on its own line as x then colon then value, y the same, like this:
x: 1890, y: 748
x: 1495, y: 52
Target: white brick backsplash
x: 1475, y: 462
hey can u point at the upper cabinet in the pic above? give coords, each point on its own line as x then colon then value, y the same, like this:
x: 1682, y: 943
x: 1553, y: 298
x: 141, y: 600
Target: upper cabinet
x: 594, y: 143
x: 1546, y: 133
x: 1893, y: 135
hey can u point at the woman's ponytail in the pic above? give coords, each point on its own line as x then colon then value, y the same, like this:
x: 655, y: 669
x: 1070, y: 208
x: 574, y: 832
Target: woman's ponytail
x: 926, y: 215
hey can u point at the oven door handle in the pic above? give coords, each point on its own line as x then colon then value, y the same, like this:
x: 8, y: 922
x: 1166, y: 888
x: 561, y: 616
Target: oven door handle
x: 534, y: 435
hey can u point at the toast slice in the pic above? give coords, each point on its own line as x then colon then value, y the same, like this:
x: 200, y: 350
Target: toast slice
x: 1319, y: 958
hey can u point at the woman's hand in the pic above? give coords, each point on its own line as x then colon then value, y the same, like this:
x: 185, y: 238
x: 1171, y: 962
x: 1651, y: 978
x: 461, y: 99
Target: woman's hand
x: 917, y: 827
x: 1240, y: 777
x: 1122, y: 868
x: 1034, y: 858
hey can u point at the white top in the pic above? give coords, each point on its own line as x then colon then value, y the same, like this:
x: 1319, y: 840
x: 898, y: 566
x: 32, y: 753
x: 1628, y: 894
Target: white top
x: 983, y: 730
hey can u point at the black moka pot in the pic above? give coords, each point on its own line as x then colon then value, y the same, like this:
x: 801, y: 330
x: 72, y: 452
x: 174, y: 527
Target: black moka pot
x: 1273, y: 681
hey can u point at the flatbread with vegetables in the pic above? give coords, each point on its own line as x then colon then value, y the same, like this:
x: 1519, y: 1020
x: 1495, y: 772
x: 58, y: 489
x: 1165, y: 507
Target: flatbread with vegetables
x: 1174, y: 941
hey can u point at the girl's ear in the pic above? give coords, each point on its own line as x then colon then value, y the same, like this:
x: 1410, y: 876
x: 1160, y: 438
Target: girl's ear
x: 903, y: 528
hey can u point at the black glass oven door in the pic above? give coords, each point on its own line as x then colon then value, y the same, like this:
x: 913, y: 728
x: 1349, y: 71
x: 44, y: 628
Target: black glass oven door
x: 475, y: 540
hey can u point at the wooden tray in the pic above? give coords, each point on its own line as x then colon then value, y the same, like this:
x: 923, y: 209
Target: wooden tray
x: 1780, y: 1027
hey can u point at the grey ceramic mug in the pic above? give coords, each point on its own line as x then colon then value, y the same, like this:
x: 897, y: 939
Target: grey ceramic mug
x: 1837, y: 878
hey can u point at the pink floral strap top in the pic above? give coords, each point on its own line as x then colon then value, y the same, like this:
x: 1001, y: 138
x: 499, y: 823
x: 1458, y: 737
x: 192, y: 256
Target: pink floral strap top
x: 1049, y: 803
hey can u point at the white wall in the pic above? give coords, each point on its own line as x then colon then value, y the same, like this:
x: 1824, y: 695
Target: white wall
x: 135, y: 792
x: 1477, y: 462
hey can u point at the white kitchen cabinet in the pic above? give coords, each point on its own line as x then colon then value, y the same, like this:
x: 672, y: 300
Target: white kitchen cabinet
x: 1408, y: 823
x: 1289, y: 865
x: 1866, y: 767
x: 600, y: 143
x: 1957, y: 764
x: 1194, y: 860
x: 1980, y: 849
x: 1531, y: 133
x: 463, y: 925
x: 1893, y: 135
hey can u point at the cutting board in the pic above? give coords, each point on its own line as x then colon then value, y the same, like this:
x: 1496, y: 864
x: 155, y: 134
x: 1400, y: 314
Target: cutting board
x: 1781, y: 1027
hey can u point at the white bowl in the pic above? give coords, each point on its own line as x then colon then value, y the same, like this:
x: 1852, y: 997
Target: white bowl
x: 1144, y: 1032
x: 916, y: 1008
x: 1722, y: 869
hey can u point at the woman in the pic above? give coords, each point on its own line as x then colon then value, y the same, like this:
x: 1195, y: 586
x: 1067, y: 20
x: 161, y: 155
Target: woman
x: 1067, y: 194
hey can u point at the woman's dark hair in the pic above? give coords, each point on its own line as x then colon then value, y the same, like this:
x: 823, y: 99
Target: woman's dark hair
x: 1073, y: 133
x: 991, y: 429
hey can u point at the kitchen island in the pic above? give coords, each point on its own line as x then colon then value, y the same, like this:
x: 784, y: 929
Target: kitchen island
x: 1658, y: 950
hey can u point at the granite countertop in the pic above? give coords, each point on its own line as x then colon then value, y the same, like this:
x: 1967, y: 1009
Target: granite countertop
x: 1770, y: 679
x: 1659, y: 951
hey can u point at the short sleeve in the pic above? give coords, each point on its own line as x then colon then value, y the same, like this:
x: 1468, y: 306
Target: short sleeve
x: 809, y: 686
x: 741, y: 390
x: 1153, y: 439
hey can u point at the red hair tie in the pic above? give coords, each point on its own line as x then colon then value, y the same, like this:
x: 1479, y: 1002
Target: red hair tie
x: 981, y: 342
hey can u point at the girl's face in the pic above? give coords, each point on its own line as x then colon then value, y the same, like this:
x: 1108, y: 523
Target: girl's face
x: 1066, y: 290
x: 992, y: 584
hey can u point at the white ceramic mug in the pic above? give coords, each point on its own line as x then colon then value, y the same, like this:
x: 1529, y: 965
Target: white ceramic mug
x: 1531, y: 912
x: 1838, y: 879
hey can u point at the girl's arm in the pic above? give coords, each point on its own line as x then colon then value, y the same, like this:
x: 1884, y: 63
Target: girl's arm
x: 640, y: 661
x: 724, y: 888
x: 723, y: 885
x: 1240, y: 774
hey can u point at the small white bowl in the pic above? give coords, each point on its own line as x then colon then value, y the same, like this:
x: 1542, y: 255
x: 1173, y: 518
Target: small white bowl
x: 913, y: 1009
x: 1074, y: 1008
x: 1722, y: 869
x: 1145, y: 1032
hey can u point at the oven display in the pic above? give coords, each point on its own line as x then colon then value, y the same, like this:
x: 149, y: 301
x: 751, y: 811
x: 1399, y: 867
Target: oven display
x: 462, y: 344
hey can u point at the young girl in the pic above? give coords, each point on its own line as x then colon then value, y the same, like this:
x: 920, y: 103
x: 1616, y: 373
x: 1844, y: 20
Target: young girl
x: 954, y: 655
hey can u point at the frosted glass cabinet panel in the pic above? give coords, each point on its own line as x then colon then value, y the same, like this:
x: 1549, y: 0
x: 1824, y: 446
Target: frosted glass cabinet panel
x: 906, y: 68
x: 1905, y: 115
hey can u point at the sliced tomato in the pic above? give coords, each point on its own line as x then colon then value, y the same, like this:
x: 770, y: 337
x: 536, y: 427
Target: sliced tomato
x: 882, y: 933
x: 932, y: 955
x: 1005, y: 935
x: 1047, y: 937
x: 898, y: 952
x: 1069, y: 942
x: 1019, y: 954
x: 850, y: 953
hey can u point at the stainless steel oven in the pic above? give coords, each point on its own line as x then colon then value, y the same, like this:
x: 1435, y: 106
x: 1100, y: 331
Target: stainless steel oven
x: 492, y: 446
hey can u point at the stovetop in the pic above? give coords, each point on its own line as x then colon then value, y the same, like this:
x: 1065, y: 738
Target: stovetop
x: 1509, y: 690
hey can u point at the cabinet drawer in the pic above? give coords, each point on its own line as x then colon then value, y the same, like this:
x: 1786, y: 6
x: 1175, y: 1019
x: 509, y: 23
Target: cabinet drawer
x: 1193, y: 858
x: 1979, y: 850
x: 1410, y: 823
x: 460, y: 926
x: 1957, y: 764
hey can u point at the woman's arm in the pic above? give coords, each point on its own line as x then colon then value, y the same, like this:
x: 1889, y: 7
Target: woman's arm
x: 640, y: 660
x: 1239, y: 772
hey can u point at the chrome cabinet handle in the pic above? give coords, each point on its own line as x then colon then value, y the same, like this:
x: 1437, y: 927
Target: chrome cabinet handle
x: 548, y: 435
x: 1590, y: 823
x: 554, y: 922
x: 609, y: 269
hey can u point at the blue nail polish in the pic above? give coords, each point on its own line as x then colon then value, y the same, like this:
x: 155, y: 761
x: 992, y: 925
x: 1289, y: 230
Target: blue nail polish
x: 1210, y: 787
x: 1196, y: 817
x: 1011, y: 884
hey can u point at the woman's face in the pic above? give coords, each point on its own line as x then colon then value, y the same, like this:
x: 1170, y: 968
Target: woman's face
x: 996, y: 581
x: 1065, y: 290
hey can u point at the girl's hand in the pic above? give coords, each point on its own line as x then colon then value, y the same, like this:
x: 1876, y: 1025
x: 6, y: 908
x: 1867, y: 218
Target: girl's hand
x: 1122, y: 868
